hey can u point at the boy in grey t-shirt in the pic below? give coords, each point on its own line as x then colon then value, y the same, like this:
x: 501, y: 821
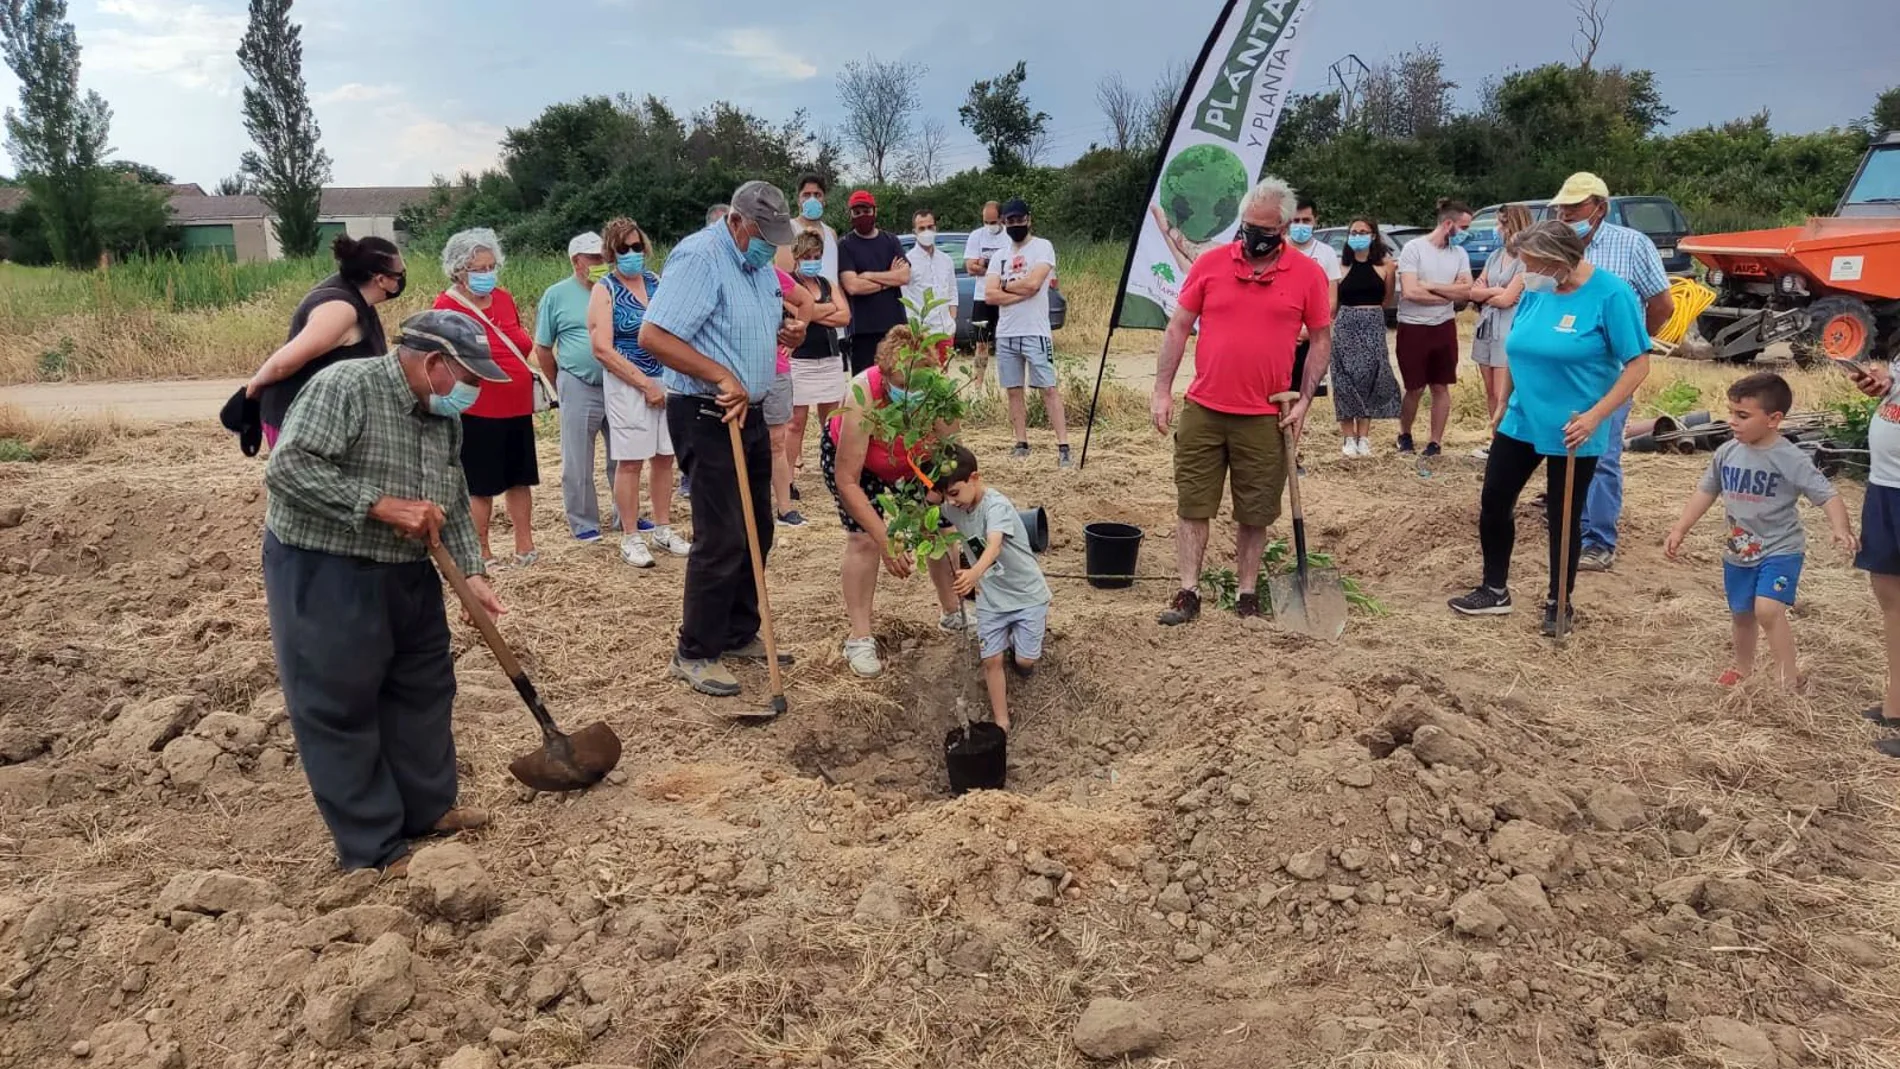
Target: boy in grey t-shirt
x: 1012, y: 598
x: 1761, y: 477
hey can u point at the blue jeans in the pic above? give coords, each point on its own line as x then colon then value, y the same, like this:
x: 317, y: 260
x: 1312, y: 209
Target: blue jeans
x: 1605, y: 503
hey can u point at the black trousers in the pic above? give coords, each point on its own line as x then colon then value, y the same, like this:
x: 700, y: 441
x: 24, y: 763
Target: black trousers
x: 722, y: 604
x: 363, y: 656
x: 1505, y: 474
x: 680, y: 411
x: 863, y: 351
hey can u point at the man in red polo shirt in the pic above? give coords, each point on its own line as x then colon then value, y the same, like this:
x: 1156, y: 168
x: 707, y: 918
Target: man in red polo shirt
x: 1251, y: 297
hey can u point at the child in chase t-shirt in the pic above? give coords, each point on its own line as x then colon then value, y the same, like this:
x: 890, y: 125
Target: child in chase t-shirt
x: 1761, y: 477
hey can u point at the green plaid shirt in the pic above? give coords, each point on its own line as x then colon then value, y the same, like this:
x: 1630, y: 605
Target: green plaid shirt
x: 356, y: 434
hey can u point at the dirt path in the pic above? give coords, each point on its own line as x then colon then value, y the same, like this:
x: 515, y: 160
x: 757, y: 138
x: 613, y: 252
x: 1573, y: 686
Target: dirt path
x: 179, y: 401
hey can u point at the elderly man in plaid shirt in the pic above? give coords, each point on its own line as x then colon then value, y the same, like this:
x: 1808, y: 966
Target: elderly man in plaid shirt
x: 1584, y: 203
x: 366, y: 475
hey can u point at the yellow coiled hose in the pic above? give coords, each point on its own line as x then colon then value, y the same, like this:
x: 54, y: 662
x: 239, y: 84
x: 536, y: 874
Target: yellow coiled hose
x: 1692, y: 299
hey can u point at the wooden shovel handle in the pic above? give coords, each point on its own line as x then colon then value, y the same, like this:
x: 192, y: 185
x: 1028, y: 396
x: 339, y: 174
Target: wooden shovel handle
x: 484, y: 623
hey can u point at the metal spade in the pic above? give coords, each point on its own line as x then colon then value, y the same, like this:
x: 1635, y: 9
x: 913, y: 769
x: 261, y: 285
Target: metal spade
x: 1311, y: 600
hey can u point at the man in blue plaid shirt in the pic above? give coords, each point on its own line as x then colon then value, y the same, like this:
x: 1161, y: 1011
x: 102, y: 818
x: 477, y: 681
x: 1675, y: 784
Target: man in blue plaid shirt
x: 1584, y: 203
x: 366, y: 474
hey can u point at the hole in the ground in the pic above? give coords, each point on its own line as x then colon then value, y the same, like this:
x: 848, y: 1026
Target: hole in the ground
x: 1060, y: 730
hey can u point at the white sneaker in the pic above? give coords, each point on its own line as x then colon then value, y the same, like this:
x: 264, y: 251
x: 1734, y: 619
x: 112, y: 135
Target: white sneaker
x: 953, y: 621
x: 861, y: 655
x: 633, y: 550
x: 1349, y: 447
x: 1365, y: 446
x: 666, y: 538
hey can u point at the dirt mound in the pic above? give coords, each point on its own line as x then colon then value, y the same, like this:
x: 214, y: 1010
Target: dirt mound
x: 1431, y: 844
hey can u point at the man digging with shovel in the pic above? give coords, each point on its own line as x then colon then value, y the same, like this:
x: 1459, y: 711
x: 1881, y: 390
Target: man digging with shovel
x: 365, y: 478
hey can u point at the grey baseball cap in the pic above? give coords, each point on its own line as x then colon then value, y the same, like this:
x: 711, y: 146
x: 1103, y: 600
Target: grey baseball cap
x: 764, y: 204
x: 455, y: 336
x: 588, y: 244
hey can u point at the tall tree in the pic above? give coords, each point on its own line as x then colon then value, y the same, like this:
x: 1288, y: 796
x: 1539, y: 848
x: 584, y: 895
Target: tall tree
x: 57, y: 138
x: 1886, y: 113
x: 998, y: 113
x: 924, y: 165
x: 1593, y: 17
x: 1122, y: 110
x: 288, y: 170
x: 880, y: 103
x: 1158, y: 112
x: 231, y: 185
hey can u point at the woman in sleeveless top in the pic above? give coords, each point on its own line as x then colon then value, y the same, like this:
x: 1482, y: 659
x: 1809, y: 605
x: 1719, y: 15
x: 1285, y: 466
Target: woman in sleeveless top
x: 1496, y: 294
x: 498, y: 450
x: 857, y: 469
x: 635, y: 393
x: 1364, y: 388
x: 335, y: 321
x: 818, y: 378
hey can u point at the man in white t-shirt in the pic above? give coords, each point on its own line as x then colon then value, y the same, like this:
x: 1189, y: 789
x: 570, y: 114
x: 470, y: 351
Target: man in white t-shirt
x: 931, y: 271
x: 981, y: 247
x: 1299, y: 234
x: 1434, y: 275
x: 1018, y: 285
x: 808, y: 213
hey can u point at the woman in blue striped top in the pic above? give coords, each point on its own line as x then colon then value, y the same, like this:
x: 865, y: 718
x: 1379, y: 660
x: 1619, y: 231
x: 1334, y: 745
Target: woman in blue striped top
x: 634, y: 391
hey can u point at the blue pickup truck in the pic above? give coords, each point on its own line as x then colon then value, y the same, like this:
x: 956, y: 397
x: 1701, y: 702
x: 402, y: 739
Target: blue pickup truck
x: 951, y: 244
x: 1657, y: 217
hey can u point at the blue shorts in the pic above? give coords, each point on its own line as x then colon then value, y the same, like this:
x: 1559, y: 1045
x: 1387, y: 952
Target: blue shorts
x: 1031, y: 358
x: 1880, y: 531
x: 1018, y: 629
x: 1774, y: 578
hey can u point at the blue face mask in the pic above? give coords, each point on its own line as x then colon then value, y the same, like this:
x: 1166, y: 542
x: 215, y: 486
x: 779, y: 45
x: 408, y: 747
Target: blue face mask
x: 1459, y: 237
x: 1359, y: 242
x: 631, y: 263
x: 1300, y: 233
x: 759, y: 252
x: 459, y: 400
x: 897, y: 394
x: 813, y: 209
x: 481, y: 283
x: 1582, y: 227
x: 811, y: 268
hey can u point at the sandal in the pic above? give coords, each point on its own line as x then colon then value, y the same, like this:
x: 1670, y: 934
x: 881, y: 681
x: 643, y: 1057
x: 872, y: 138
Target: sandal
x: 523, y: 560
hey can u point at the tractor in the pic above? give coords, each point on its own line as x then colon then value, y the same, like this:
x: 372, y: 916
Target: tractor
x: 1830, y: 287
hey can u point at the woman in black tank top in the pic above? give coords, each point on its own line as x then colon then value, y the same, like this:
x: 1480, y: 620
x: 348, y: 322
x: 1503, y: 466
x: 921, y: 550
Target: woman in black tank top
x: 1364, y: 388
x: 818, y: 375
x: 335, y: 321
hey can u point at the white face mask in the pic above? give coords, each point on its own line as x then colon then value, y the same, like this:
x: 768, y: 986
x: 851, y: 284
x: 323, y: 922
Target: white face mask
x: 1539, y: 283
x: 994, y: 228
x: 927, y: 238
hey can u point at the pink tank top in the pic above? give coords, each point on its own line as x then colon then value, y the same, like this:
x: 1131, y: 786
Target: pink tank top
x: 889, y: 461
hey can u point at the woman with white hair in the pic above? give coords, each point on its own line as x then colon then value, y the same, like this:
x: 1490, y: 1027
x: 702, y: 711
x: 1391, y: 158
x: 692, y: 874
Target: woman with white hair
x: 498, y: 429
x: 1577, y: 351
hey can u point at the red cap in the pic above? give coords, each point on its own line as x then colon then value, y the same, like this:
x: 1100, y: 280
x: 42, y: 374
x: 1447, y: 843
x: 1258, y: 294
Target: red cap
x: 862, y: 196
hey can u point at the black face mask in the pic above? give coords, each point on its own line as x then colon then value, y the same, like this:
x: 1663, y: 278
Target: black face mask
x: 402, y: 283
x: 1018, y: 233
x: 1259, y: 241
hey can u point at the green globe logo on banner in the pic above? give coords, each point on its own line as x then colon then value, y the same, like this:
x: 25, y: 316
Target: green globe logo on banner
x: 1201, y: 190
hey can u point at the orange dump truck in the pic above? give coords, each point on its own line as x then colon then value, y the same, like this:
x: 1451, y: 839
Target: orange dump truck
x: 1830, y: 287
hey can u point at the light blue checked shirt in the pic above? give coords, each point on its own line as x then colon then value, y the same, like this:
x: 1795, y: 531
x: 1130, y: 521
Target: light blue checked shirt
x: 1631, y: 256
x: 724, y: 308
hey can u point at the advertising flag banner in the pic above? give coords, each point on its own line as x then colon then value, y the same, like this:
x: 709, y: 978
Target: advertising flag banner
x: 1215, y: 150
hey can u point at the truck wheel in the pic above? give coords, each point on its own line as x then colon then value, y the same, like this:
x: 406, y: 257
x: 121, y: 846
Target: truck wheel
x: 1839, y: 328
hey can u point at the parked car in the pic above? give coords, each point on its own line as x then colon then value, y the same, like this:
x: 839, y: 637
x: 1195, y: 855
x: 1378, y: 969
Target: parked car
x: 1396, y: 238
x: 951, y: 245
x: 1657, y: 217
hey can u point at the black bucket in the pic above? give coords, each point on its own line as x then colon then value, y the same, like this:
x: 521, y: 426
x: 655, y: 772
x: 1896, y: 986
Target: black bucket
x: 977, y: 757
x: 1110, y: 551
x: 1036, y: 522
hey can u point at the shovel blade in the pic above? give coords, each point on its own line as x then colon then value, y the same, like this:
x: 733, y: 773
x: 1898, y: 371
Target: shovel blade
x: 569, y: 762
x: 1316, y: 607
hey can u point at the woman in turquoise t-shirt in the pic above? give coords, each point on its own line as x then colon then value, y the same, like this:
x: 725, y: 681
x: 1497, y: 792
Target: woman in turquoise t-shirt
x: 1577, y: 350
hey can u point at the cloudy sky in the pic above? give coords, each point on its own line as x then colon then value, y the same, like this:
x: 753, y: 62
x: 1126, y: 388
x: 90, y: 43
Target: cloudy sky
x: 405, y: 89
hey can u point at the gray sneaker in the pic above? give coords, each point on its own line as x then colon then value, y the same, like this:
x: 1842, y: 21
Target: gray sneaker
x: 1596, y: 559
x: 706, y: 677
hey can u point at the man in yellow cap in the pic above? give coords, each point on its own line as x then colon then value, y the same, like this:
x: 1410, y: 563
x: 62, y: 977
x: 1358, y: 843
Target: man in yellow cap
x: 1584, y: 203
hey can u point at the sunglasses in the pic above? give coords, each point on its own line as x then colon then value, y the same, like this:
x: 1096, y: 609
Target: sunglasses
x: 631, y: 246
